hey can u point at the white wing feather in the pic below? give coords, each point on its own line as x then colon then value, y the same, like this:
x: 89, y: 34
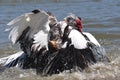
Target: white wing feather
x: 92, y: 38
x: 6, y: 60
x: 36, y: 22
x: 41, y: 40
x: 18, y: 24
x: 77, y: 39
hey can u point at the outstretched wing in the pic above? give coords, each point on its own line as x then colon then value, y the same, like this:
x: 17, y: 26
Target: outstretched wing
x: 31, y: 30
x: 28, y: 24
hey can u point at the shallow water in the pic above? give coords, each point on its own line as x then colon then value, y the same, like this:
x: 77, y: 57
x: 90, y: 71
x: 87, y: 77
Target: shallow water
x: 100, y: 17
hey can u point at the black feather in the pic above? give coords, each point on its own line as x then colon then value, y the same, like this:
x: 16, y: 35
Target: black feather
x: 36, y: 11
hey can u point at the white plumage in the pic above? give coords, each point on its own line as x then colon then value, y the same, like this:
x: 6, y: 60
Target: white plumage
x: 77, y: 39
x: 92, y: 38
x: 41, y: 40
x: 38, y: 24
x: 7, y: 60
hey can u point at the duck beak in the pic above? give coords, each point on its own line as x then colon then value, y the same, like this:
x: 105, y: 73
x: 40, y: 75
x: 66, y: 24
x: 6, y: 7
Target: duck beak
x: 53, y: 43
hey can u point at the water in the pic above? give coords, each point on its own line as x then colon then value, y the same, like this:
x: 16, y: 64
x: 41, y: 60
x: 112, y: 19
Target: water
x: 100, y: 17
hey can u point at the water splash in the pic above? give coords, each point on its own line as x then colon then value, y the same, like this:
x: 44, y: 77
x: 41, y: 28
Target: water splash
x: 104, y: 71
